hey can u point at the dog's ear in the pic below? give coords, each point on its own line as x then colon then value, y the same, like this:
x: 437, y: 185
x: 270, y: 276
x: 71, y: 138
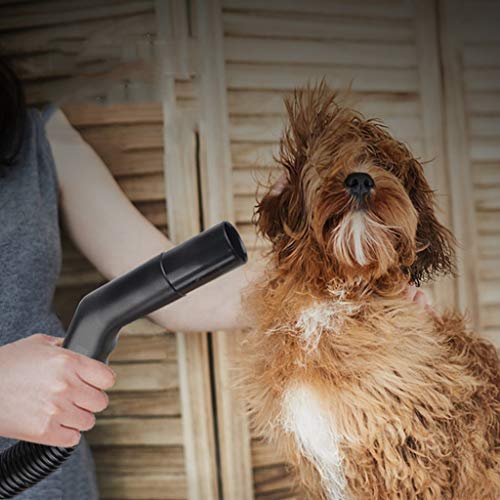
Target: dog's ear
x: 270, y: 212
x: 279, y: 215
x: 435, y: 243
x: 281, y: 210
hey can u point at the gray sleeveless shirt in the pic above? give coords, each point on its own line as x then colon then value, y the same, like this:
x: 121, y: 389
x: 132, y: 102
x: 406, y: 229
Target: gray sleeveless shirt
x: 30, y: 261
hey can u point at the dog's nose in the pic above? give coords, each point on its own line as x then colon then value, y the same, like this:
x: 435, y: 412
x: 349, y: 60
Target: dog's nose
x: 359, y: 184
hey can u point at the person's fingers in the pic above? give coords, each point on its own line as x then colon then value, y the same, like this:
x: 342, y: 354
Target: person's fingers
x: 89, y: 398
x: 58, y: 435
x: 47, y: 339
x: 66, y: 437
x: 279, y: 185
x: 416, y: 295
x: 432, y: 312
x: 55, y: 341
x: 420, y: 298
x: 411, y: 291
x: 77, y: 418
x: 95, y: 373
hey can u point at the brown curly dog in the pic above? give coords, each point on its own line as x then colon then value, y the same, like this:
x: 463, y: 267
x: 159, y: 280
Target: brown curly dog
x: 366, y: 394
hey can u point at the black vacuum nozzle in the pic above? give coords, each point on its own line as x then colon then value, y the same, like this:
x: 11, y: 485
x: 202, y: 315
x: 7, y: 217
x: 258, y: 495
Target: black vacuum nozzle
x: 203, y: 258
x: 156, y: 283
x: 100, y: 315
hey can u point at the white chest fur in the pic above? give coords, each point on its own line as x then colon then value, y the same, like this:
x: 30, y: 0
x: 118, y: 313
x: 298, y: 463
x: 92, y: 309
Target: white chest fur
x: 313, y: 428
x: 324, y: 316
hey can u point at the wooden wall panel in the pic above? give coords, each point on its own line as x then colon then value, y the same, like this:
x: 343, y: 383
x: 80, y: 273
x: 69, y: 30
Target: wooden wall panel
x: 217, y: 200
x: 181, y: 163
x: 432, y: 107
x: 458, y: 157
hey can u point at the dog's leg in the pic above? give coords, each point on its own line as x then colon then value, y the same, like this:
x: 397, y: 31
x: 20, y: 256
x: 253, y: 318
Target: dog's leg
x: 305, y: 417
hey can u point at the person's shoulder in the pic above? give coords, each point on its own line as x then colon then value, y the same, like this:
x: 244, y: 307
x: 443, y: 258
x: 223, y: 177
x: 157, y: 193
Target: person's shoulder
x: 34, y: 121
x: 37, y: 119
x: 41, y: 116
x: 48, y: 111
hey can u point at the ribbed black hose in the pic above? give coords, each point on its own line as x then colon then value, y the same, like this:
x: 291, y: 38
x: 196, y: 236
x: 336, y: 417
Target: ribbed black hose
x: 25, y: 464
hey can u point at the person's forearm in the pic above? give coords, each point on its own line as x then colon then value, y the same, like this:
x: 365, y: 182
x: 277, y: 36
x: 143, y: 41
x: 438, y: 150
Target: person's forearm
x: 216, y: 306
x: 116, y: 237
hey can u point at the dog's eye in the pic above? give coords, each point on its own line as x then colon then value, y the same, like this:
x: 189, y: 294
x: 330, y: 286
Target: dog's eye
x: 388, y: 168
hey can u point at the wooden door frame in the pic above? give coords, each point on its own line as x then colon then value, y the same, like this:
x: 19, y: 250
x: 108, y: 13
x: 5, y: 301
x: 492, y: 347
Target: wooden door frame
x: 217, y: 196
x: 181, y: 177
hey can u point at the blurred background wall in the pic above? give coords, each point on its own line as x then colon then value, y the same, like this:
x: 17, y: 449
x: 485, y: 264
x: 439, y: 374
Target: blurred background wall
x: 183, y: 101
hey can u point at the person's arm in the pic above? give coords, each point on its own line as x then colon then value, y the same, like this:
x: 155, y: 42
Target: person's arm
x: 115, y: 236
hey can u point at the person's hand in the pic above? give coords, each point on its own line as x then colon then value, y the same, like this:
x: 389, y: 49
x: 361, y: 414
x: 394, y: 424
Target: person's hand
x: 48, y: 394
x: 418, y: 296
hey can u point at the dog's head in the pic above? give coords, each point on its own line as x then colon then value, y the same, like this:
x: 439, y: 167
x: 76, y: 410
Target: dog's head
x: 353, y: 203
